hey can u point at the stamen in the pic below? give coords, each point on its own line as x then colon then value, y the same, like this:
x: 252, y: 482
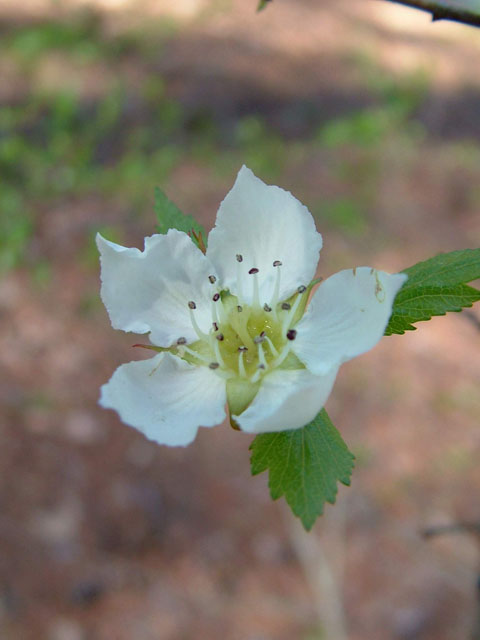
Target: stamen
x: 281, y: 357
x: 242, y: 349
x: 241, y: 364
x: 182, y: 341
x: 213, y: 365
x: 218, y: 355
x: 195, y: 354
x: 212, y: 279
x: 216, y: 297
x: 291, y: 334
x: 256, y: 301
x: 260, y: 338
x: 286, y: 306
x: 257, y: 373
x: 272, y: 346
x: 261, y: 356
x: 239, y: 277
x: 276, y: 290
x: 301, y: 289
x: 215, y: 326
x: 239, y: 308
x: 267, y: 308
x: 289, y: 317
x: 220, y: 337
x: 197, y: 329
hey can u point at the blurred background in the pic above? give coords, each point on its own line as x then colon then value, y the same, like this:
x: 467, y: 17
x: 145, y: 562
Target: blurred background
x: 369, y: 114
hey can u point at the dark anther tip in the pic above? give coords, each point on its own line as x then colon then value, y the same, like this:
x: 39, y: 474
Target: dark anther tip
x: 192, y: 305
x: 286, y: 306
x: 291, y: 334
x: 216, y: 297
x: 213, y: 365
x: 239, y: 257
x: 253, y: 271
x: 277, y: 263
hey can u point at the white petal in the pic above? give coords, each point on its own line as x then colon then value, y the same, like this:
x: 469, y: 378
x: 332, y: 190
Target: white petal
x: 149, y: 290
x: 166, y: 398
x: 287, y: 399
x: 346, y: 317
x: 263, y: 224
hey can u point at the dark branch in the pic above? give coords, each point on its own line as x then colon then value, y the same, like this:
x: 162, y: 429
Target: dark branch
x: 440, y: 12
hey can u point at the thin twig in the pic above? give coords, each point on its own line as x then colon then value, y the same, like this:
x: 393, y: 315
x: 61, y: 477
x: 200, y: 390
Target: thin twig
x: 322, y: 565
x: 455, y: 527
x: 441, y: 12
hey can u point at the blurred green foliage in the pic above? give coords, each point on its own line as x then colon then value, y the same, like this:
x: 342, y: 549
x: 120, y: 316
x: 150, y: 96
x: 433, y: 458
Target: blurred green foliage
x: 112, y: 143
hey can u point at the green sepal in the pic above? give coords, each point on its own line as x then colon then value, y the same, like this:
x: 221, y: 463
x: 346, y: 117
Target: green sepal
x: 169, y: 216
x: 240, y: 394
x: 303, y: 303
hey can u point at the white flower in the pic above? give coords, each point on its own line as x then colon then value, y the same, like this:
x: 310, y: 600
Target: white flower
x: 230, y: 326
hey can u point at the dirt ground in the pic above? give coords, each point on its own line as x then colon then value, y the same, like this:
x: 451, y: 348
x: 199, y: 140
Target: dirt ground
x: 106, y: 536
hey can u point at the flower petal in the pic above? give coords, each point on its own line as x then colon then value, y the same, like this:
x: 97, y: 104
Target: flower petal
x: 287, y: 399
x: 149, y: 290
x: 347, y: 316
x: 166, y: 398
x: 263, y: 224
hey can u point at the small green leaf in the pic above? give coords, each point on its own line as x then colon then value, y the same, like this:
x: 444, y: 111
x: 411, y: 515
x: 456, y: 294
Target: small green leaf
x: 434, y: 287
x: 304, y: 466
x: 262, y: 4
x: 169, y: 216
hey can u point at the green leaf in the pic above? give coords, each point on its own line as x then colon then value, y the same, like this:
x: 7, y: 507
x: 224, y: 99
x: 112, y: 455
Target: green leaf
x: 262, y: 4
x: 434, y: 287
x: 304, y: 466
x: 169, y: 216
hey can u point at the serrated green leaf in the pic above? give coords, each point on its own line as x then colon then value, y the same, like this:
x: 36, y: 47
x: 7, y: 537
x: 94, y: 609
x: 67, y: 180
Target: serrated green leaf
x: 434, y: 287
x: 304, y: 465
x: 169, y: 216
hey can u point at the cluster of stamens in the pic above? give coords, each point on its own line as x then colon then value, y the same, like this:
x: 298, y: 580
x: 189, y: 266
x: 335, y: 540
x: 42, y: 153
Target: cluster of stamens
x: 244, y: 340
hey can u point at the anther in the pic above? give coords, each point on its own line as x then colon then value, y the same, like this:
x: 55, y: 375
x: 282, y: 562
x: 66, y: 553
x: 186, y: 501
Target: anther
x: 220, y: 337
x: 182, y: 341
x: 291, y: 334
x: 216, y: 297
x: 301, y: 289
x: 213, y: 365
x: 261, y: 366
x: 286, y: 306
x: 192, y: 305
x: 243, y: 348
x: 239, y: 257
x: 253, y: 271
x: 260, y: 338
x: 239, y: 308
x: 277, y: 263
x: 212, y: 279
x: 266, y: 308
x: 215, y: 326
